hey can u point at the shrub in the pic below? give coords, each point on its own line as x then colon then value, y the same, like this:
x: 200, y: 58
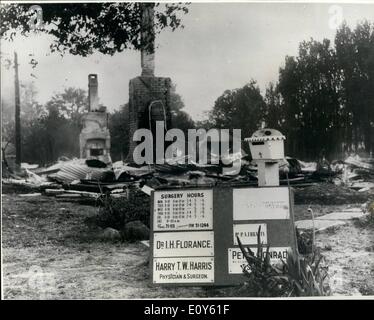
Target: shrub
x: 297, y: 276
x: 306, y: 275
x: 304, y: 241
x: 368, y: 221
x: 116, y: 212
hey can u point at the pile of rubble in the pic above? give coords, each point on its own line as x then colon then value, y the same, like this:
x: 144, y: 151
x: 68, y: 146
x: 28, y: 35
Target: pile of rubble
x: 358, y: 173
x: 81, y: 178
x: 91, y: 178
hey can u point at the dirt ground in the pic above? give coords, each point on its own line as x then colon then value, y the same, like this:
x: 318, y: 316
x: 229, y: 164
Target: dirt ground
x: 349, y: 253
x: 49, y: 252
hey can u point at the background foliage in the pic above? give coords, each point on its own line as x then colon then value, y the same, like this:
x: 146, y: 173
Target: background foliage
x: 323, y: 100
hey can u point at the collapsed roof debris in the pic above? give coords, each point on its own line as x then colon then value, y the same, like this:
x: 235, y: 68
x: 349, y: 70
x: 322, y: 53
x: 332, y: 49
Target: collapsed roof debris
x: 88, y: 179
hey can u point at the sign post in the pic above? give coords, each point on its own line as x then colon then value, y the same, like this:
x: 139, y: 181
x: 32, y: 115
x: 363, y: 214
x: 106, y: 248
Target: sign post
x: 197, y: 245
x: 182, y: 237
x: 194, y: 230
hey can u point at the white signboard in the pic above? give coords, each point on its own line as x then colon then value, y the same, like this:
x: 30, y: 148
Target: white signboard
x: 237, y: 261
x: 183, y: 210
x: 247, y: 233
x: 183, y: 270
x: 261, y: 203
x: 183, y: 244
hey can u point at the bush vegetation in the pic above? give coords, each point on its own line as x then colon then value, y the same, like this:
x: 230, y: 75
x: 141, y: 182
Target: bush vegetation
x: 116, y: 212
x: 296, y: 277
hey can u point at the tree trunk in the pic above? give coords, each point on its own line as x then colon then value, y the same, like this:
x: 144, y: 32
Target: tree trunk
x: 17, y: 111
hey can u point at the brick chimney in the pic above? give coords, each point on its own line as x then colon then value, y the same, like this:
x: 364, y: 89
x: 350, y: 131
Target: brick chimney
x: 147, y: 90
x: 94, y: 139
x: 93, y: 98
x: 148, y: 39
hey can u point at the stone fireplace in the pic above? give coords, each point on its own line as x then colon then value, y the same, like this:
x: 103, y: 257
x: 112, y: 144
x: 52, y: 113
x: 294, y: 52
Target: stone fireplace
x: 95, y: 136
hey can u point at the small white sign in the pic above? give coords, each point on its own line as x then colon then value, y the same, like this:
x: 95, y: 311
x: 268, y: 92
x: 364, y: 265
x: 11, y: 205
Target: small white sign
x: 183, y: 210
x: 183, y: 244
x: 183, y: 270
x: 247, y: 233
x: 261, y: 203
x: 236, y: 259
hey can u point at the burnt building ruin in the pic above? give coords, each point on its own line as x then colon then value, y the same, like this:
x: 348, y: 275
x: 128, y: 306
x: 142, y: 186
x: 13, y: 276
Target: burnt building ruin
x: 149, y: 96
x: 94, y: 139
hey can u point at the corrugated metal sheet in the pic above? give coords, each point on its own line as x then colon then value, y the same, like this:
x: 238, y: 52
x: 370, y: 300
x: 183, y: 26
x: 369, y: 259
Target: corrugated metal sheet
x: 76, y: 171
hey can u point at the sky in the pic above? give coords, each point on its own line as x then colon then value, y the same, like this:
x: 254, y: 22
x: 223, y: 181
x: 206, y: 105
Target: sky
x: 222, y: 46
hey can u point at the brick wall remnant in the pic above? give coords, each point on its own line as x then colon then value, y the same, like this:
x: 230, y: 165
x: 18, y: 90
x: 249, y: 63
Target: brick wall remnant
x: 149, y: 96
x: 144, y: 92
